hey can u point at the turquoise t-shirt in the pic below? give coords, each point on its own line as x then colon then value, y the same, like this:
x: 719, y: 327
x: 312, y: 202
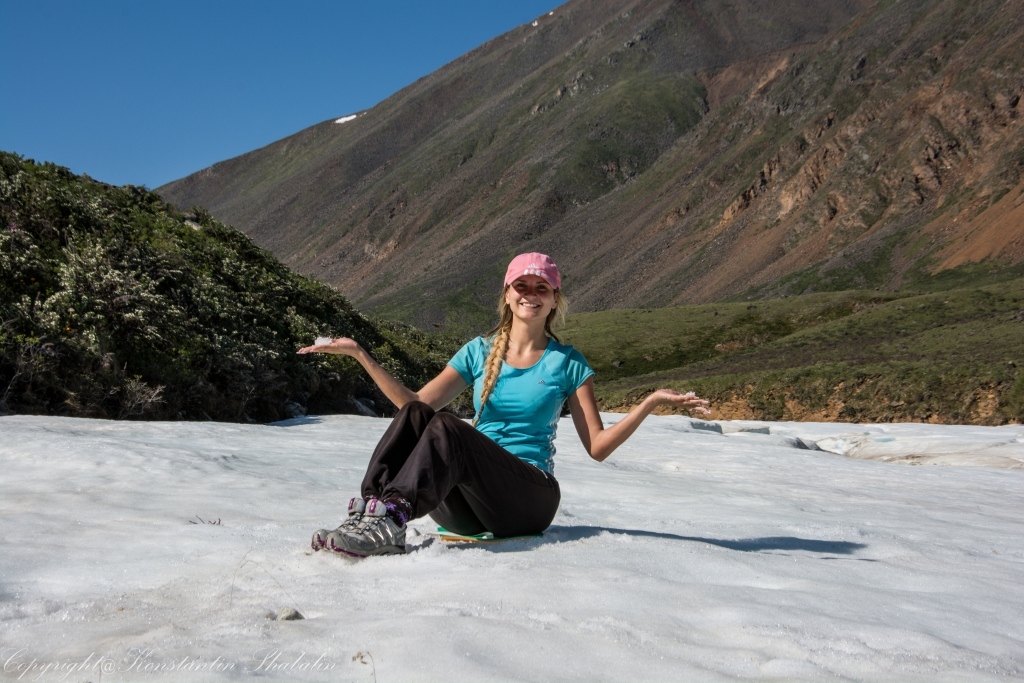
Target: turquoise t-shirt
x: 523, y: 409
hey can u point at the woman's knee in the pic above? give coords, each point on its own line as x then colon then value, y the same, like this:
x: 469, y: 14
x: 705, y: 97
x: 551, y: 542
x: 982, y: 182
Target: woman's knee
x: 416, y: 408
x: 445, y: 422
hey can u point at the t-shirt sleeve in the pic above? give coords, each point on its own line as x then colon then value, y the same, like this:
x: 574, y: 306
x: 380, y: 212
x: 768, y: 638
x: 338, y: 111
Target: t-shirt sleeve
x: 465, y: 361
x: 577, y: 370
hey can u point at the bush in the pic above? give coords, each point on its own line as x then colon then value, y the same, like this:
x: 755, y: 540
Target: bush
x: 113, y: 304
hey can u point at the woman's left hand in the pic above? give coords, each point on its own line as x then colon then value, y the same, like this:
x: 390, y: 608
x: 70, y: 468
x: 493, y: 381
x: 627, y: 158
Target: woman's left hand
x: 688, y: 401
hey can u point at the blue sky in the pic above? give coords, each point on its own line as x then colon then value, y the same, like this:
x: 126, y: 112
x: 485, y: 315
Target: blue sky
x: 147, y: 91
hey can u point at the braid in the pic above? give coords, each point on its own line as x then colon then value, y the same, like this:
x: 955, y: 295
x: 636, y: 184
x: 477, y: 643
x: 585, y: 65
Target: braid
x: 495, y: 359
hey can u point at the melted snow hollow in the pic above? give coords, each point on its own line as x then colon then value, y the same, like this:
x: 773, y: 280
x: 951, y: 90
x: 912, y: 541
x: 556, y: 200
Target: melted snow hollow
x: 163, y: 551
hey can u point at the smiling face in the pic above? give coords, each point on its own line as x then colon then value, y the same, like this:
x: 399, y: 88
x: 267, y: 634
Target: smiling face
x: 530, y: 297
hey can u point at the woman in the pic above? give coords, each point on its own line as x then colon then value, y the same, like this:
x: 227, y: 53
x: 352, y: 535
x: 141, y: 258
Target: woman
x: 495, y: 475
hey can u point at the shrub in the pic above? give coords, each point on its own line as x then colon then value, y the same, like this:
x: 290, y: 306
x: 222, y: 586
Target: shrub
x: 113, y: 304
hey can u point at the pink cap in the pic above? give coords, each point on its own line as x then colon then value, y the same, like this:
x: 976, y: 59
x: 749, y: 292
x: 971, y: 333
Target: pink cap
x: 533, y: 264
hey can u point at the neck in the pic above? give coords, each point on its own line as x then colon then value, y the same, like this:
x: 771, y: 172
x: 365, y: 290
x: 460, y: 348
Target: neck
x: 527, y: 337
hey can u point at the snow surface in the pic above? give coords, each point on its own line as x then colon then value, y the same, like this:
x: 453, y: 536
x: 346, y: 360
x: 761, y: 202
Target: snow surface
x: 905, y: 443
x: 688, y: 555
x: 346, y: 119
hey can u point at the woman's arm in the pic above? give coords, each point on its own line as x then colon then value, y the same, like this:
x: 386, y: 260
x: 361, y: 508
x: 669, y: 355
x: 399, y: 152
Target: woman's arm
x: 437, y: 393
x: 600, y: 442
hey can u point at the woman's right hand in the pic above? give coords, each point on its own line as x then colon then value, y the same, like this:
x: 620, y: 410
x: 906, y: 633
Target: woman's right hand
x: 341, y: 346
x: 439, y: 392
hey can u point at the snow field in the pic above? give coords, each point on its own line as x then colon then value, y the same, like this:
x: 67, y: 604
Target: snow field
x: 687, y: 555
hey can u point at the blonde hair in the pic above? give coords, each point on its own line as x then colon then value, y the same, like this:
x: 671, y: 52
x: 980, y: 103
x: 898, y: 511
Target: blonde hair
x: 499, y: 334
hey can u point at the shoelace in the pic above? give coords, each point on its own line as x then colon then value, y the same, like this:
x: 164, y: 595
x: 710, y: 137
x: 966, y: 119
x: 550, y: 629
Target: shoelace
x: 351, y: 522
x: 365, y: 522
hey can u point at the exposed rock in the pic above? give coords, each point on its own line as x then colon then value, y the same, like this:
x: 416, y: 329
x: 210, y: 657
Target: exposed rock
x: 293, y: 409
x: 363, y: 408
x: 706, y: 426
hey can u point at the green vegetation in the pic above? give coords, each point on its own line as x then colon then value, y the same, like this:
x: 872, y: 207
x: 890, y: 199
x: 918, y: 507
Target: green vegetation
x: 464, y: 317
x: 114, y: 304
x: 949, y: 356
x: 626, y: 129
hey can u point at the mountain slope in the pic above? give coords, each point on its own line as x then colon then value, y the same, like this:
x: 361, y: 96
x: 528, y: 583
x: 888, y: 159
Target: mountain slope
x: 663, y: 153
x: 495, y: 149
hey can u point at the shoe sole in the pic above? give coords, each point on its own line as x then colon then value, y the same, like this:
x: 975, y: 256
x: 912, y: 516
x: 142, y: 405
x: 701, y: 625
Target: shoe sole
x: 389, y: 550
x: 383, y: 550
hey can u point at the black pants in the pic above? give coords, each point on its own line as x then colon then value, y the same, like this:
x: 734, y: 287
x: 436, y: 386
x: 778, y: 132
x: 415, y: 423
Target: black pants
x: 467, y: 483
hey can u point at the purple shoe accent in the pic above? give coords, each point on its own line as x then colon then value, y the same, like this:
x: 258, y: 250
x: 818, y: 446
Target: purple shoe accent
x: 342, y: 551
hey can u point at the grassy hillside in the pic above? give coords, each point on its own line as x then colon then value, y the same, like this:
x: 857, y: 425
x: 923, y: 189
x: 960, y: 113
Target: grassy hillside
x: 948, y: 356
x: 114, y: 304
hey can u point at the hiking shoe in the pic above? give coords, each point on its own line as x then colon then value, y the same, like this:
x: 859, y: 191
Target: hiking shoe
x: 376, y: 534
x: 355, y: 513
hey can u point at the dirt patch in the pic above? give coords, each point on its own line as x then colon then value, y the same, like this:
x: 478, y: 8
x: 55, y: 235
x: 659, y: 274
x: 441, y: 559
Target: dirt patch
x: 997, y: 232
x: 758, y: 71
x: 797, y: 412
x: 729, y: 346
x: 734, y: 408
x: 984, y: 405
